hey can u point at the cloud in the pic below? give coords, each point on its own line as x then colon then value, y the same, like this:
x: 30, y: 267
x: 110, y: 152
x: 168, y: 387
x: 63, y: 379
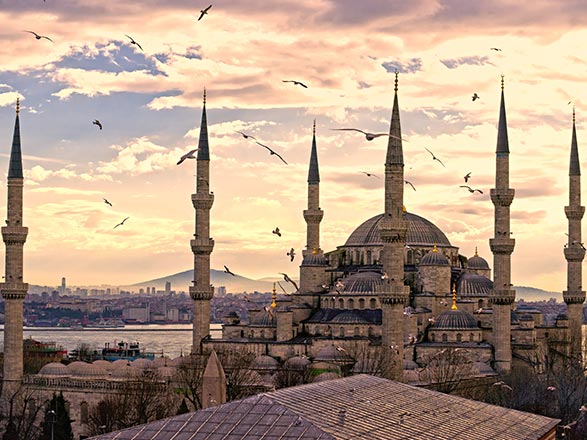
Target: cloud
x: 470, y: 60
x: 411, y: 66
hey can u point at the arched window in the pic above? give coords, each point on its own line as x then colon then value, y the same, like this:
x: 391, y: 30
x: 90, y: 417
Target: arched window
x: 373, y: 303
x: 432, y: 337
x: 410, y: 256
x: 84, y: 412
x: 351, y: 303
x: 444, y: 337
x: 480, y: 303
x: 262, y: 334
x: 341, y: 303
x: 357, y: 331
x: 361, y: 303
x: 369, y: 257
x: 459, y: 337
x: 370, y: 332
x: 471, y: 337
x: 242, y: 333
x: 341, y: 332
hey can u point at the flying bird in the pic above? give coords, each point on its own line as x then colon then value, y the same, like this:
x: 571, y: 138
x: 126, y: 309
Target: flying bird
x: 296, y: 83
x: 291, y: 254
x: 246, y: 136
x: 271, y: 152
x: 474, y: 97
x: 467, y: 177
x: 203, y: 12
x: 471, y: 190
x: 227, y: 270
x: 121, y: 223
x: 38, y: 37
x: 407, y: 182
x: 369, y: 174
x: 369, y: 136
x: 132, y: 41
x: 284, y: 291
x: 276, y: 232
x: 551, y: 389
x: 287, y: 279
x: 497, y: 49
x: 98, y: 123
x: 434, y: 157
x: 188, y: 155
x: 107, y: 202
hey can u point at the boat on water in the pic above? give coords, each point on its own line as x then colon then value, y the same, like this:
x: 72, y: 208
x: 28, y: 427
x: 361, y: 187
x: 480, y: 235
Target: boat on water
x: 107, y: 323
x: 112, y: 352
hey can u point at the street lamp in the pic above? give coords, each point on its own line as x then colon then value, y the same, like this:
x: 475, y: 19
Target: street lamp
x: 52, y: 420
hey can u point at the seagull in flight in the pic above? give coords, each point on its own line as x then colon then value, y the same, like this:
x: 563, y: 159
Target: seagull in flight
x: 204, y: 12
x: 369, y: 174
x: 227, y: 270
x: 246, y: 136
x: 98, y: 123
x: 474, y: 97
x: 284, y: 291
x: 471, y: 190
x: 407, y: 182
x: 434, y: 157
x: 188, y: 155
x: 497, y: 49
x: 272, y: 152
x: 467, y: 177
x: 276, y: 232
x: 287, y: 279
x: 296, y: 83
x: 121, y: 223
x: 291, y: 254
x: 107, y: 202
x: 132, y: 41
x: 38, y: 37
x: 369, y: 136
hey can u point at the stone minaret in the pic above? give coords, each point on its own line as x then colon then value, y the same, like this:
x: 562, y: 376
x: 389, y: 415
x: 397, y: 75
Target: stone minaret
x: 312, y: 274
x: 574, y: 250
x: 13, y: 288
x: 502, y: 246
x: 202, y: 245
x: 393, y: 294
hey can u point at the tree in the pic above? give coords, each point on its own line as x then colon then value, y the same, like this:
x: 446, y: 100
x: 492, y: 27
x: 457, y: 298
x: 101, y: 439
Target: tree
x: 447, y: 369
x: 23, y: 415
x: 375, y: 360
x: 57, y: 423
x: 189, y: 378
x: 241, y: 381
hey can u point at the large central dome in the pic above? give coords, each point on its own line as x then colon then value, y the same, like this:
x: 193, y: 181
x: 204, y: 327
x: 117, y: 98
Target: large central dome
x: 421, y: 232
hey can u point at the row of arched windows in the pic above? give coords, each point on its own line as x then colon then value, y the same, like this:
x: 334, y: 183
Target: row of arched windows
x: 348, y: 303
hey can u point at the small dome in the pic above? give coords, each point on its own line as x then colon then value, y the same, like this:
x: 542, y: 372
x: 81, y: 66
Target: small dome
x: 91, y: 371
x: 297, y: 363
x: 125, y: 372
x: 476, y: 262
x: 141, y: 363
x: 471, y: 284
x: 349, y: 317
x: 323, y: 377
x: 263, y: 319
x: 120, y: 363
x: 361, y: 282
x: 434, y: 258
x: 54, y: 369
x: 264, y: 362
x: 314, y: 260
x: 166, y: 372
x: 77, y: 367
x: 332, y: 353
x: 104, y: 364
x: 160, y: 362
x: 455, y: 320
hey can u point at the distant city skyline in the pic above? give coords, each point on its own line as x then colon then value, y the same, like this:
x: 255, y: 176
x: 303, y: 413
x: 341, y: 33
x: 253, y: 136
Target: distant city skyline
x: 149, y: 103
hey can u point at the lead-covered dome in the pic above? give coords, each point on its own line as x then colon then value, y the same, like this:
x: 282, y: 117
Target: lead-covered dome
x: 455, y: 320
x: 420, y: 232
x: 471, y: 284
x: 477, y: 263
x: 361, y: 282
x: 434, y: 258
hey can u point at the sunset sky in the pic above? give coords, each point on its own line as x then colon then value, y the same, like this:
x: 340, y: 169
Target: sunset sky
x: 346, y: 52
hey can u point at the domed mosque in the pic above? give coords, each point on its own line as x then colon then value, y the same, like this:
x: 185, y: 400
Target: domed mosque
x: 398, y: 283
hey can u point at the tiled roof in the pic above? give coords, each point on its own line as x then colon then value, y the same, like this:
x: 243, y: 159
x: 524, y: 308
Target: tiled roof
x: 356, y: 407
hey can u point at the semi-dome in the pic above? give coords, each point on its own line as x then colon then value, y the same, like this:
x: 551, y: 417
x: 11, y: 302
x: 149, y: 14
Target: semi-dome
x: 477, y: 262
x: 472, y: 284
x: 54, y: 369
x: 297, y: 363
x: 420, y: 232
x: 349, y: 317
x: 455, y: 320
x: 434, y: 258
x: 361, y: 282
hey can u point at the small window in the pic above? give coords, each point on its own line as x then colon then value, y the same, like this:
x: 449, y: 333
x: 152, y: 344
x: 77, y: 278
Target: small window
x: 84, y: 412
x: 357, y: 331
x: 341, y: 332
x: 444, y: 337
x: 373, y: 303
x: 361, y: 303
x: 471, y: 337
x: 351, y: 303
x: 341, y: 303
x: 459, y: 337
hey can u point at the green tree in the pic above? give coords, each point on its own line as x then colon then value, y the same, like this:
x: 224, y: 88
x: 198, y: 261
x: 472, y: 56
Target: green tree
x: 57, y: 423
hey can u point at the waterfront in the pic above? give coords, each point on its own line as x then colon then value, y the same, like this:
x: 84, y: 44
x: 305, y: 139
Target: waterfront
x: 171, y: 339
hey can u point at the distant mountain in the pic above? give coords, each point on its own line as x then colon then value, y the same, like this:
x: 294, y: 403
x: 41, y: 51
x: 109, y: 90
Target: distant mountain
x: 233, y: 284
x: 534, y: 294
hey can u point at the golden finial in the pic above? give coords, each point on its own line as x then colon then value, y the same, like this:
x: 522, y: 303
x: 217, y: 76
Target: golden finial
x: 404, y: 210
x: 434, y: 248
x: 396, y: 75
x: 476, y: 254
x: 454, y: 297
x: 314, y: 251
x: 273, y: 297
x: 204, y: 95
x: 502, y: 82
x: 314, y: 128
x: 17, y: 106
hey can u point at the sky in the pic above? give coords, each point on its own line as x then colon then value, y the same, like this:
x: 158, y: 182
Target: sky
x: 346, y: 52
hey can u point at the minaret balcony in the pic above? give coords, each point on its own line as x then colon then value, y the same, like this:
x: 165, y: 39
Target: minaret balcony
x: 392, y: 294
x: 574, y: 212
x: 199, y: 294
x: 502, y: 197
x: 14, y: 234
x: 202, y: 246
x: 203, y: 200
x: 575, y: 297
x: 14, y: 290
x: 502, y: 245
x: 503, y: 297
x: 574, y: 252
x: 313, y: 215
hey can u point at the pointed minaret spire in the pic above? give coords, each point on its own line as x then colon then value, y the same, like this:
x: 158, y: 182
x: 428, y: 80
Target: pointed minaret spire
x: 393, y: 227
x: 502, y: 246
x: 574, y: 251
x: 13, y: 289
x: 202, y: 245
x: 313, y: 172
